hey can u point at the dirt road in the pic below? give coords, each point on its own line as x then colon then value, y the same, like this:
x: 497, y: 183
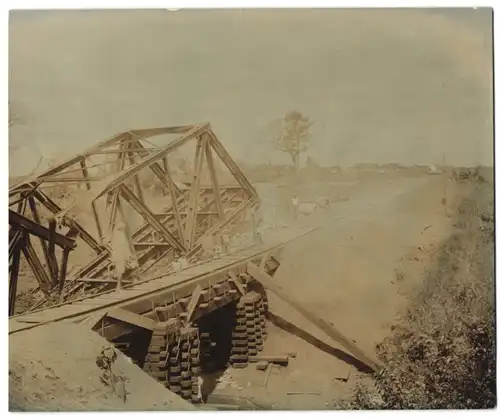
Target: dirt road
x: 354, y: 272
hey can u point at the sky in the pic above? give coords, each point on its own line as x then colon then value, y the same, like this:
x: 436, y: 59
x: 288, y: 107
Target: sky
x: 407, y: 86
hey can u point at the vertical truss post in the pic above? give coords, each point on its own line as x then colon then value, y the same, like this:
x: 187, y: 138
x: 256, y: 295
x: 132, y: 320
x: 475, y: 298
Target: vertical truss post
x: 14, y: 274
x: 231, y: 165
x: 21, y: 206
x: 149, y: 217
x: 137, y: 181
x: 213, y: 176
x: 43, y: 244
x: 35, y: 265
x: 62, y: 273
x: 85, y: 172
x: 114, y: 194
x: 193, y: 197
x: 173, y: 197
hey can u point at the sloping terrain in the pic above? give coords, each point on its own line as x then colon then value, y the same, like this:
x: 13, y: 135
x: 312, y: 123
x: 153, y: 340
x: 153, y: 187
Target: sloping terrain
x: 53, y: 368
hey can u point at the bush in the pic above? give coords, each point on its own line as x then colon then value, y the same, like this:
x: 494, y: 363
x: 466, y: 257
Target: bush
x: 442, y: 354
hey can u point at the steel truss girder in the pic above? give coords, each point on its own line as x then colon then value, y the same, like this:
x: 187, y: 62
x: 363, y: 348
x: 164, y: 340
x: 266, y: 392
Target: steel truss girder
x: 194, y: 212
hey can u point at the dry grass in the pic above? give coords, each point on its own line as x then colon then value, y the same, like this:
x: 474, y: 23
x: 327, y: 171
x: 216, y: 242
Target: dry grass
x: 442, y: 353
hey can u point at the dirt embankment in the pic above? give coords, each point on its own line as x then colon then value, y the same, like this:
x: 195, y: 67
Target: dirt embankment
x: 441, y: 354
x: 53, y: 368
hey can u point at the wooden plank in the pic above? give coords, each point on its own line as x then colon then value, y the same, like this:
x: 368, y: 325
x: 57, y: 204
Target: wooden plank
x: 268, y: 282
x: 169, y: 285
x: 239, y: 286
x: 193, y: 302
x: 131, y: 318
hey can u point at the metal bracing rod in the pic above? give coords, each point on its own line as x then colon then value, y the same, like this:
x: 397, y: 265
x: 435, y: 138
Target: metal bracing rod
x: 121, y: 177
x: 143, y: 258
x: 132, y: 150
x: 43, y: 243
x: 15, y: 235
x: 19, y: 221
x: 36, y: 266
x: 115, y: 139
x: 213, y: 176
x: 84, y: 234
x: 114, y: 196
x: 164, y: 252
x: 160, y: 173
x: 231, y: 165
x: 229, y: 218
x: 149, y: 217
x: 137, y: 181
x: 85, y: 172
x: 173, y: 196
x: 14, y: 275
x: 149, y: 160
x: 141, y: 234
x: 75, y: 180
x: 62, y: 273
x: 194, y: 193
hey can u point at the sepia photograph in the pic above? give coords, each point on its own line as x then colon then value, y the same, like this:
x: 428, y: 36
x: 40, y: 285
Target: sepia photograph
x: 249, y: 209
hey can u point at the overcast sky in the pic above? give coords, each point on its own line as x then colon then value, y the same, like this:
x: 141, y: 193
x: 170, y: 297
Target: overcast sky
x: 404, y: 86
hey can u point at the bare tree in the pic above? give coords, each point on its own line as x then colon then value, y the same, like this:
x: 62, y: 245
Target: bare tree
x: 294, y: 137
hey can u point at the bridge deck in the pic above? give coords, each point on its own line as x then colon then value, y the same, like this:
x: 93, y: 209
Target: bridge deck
x: 147, y: 290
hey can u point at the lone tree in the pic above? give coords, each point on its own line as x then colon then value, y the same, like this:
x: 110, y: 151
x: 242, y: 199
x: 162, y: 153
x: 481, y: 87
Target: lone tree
x: 294, y: 137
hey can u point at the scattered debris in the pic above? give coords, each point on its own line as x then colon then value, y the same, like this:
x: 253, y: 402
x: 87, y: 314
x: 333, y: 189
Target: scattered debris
x: 261, y: 365
x: 296, y: 393
x: 277, y: 359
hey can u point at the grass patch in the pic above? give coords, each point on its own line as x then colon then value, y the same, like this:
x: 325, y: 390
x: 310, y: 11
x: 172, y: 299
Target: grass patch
x: 441, y: 355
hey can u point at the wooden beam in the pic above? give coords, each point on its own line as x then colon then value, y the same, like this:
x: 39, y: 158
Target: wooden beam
x: 131, y: 318
x: 268, y: 282
x: 193, y: 302
x: 239, y: 286
x: 213, y: 176
x: 193, y: 197
x: 149, y: 217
